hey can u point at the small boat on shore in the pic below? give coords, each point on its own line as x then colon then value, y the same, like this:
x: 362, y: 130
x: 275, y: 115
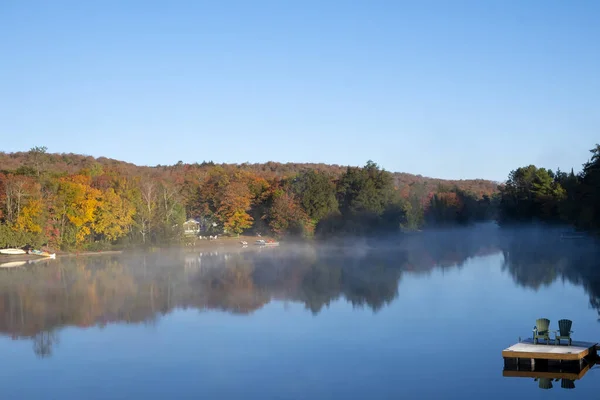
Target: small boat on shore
x: 41, y: 253
x: 12, y: 251
x: 262, y: 242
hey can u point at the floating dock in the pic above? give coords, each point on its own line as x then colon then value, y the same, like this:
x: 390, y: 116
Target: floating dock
x: 542, y: 351
x: 579, y: 352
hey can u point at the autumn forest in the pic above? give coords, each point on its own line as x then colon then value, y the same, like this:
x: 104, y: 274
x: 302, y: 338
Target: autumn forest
x: 68, y: 201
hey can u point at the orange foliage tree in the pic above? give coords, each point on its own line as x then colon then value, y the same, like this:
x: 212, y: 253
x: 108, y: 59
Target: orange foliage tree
x: 285, y: 215
x: 226, y: 195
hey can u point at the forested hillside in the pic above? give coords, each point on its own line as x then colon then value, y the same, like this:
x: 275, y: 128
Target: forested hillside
x: 26, y: 163
x: 534, y: 194
x: 73, y: 201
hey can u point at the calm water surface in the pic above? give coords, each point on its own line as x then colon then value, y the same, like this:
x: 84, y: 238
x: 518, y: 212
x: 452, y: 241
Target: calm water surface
x: 426, y: 317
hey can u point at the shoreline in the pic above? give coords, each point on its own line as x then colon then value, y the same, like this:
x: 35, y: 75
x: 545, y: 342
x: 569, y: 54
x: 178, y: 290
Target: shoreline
x: 199, y: 244
x: 30, y: 257
x: 226, y: 241
x: 87, y: 253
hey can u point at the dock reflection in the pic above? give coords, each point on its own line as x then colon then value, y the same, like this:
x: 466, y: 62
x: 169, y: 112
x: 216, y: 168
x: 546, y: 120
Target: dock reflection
x: 547, y: 375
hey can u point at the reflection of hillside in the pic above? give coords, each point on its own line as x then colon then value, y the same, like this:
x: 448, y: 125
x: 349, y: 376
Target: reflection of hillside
x: 530, y: 264
x: 66, y: 293
x: 229, y: 287
x: 136, y: 288
x: 449, y: 248
x: 38, y: 300
x: 368, y: 280
x: 537, y: 257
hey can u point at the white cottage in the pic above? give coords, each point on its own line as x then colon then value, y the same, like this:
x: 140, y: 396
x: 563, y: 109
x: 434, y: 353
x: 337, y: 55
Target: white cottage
x: 191, y: 227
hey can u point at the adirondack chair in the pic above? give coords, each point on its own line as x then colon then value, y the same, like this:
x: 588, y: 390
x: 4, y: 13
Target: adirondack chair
x: 541, y: 330
x: 564, y: 326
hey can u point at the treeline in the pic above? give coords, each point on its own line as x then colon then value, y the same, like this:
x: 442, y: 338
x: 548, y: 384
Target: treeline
x: 44, y: 200
x: 534, y: 194
x: 69, y: 163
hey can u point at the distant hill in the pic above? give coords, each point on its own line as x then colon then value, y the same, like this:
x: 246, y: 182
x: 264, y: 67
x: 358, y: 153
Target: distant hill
x: 72, y: 163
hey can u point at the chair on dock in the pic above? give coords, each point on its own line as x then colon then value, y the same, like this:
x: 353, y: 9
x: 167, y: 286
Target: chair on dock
x: 541, y: 330
x: 564, y: 326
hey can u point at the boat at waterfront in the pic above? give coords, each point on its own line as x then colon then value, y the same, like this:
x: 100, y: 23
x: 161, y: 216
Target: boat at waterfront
x: 42, y: 253
x: 262, y: 242
x: 12, y: 251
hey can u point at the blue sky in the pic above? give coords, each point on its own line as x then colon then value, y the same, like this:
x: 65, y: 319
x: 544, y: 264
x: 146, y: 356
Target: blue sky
x: 451, y: 89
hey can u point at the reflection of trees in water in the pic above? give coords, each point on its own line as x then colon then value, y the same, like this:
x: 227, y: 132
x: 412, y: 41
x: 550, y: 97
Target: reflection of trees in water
x: 370, y: 280
x: 139, y: 288
x: 595, y: 303
x: 43, y: 343
x: 36, y: 302
x: 373, y: 281
x: 229, y: 287
x: 530, y: 266
x: 536, y: 257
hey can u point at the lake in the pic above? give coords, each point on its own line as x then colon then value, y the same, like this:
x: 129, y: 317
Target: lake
x: 423, y: 316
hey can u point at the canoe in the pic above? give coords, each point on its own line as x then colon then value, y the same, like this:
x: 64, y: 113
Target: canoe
x: 12, y: 251
x: 42, y: 253
x: 262, y: 242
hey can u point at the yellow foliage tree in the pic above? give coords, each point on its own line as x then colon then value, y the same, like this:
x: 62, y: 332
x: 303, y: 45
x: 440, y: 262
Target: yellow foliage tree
x: 113, y: 215
x: 79, y: 203
x: 237, y: 221
x: 28, y: 218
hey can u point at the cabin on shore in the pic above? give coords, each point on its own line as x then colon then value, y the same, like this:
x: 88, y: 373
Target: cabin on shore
x: 191, y: 227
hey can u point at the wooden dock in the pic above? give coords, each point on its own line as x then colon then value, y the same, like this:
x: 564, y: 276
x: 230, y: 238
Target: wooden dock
x: 542, y: 351
x: 526, y: 352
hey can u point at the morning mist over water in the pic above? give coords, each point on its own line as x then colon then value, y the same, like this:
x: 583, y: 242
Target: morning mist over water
x: 310, y: 200
x: 329, y: 320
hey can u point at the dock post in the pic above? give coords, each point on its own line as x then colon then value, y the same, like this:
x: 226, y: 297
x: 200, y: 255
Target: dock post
x: 533, y: 364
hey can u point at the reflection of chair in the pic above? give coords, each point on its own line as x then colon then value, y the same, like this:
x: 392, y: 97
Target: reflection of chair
x: 541, y: 330
x: 545, y: 383
x: 567, y: 384
x: 564, y: 326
